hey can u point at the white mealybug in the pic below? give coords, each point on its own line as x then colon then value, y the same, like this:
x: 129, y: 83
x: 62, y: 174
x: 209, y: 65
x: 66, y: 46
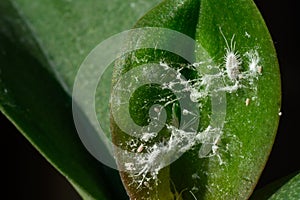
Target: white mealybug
x: 253, y: 62
x: 232, y: 59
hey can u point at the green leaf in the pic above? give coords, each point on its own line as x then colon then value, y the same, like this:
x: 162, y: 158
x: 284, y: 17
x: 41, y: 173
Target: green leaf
x: 68, y: 30
x: 41, y: 48
x: 226, y: 162
x: 47, y: 125
x: 287, y: 188
x: 289, y: 191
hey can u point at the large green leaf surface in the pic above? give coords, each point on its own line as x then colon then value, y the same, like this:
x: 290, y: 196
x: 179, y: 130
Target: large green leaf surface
x: 238, y: 157
x: 42, y: 45
x: 44, y: 42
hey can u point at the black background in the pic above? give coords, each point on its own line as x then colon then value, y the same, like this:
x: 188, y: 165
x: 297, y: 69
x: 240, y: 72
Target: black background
x: 27, y: 175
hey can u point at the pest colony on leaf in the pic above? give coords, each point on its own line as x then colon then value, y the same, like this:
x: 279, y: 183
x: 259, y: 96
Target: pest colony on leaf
x: 150, y: 157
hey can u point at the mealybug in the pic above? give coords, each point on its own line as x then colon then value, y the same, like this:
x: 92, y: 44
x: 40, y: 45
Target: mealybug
x: 232, y: 59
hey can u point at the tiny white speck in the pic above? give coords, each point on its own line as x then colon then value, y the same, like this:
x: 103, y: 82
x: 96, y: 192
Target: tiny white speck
x: 185, y: 112
x: 132, y: 5
x: 247, y: 102
x: 247, y: 34
x: 156, y: 109
x: 146, y: 184
x: 259, y: 69
x: 140, y: 149
x: 280, y: 113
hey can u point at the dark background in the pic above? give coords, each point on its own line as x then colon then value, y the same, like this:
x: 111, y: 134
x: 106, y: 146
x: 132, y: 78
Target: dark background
x: 28, y: 175
x: 281, y: 19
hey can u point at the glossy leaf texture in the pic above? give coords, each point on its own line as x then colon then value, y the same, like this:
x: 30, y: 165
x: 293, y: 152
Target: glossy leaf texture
x: 42, y: 46
x: 232, y: 73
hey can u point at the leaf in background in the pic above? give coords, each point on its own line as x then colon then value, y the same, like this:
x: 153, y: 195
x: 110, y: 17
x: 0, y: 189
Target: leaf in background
x: 225, y: 167
x: 289, y: 191
x: 286, y: 188
x: 45, y: 41
x: 34, y: 101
